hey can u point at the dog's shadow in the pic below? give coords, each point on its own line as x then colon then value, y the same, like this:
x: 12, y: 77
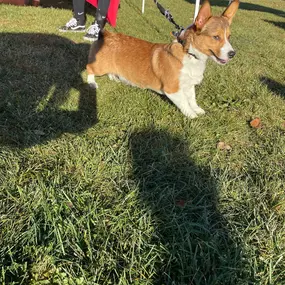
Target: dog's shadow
x: 182, y: 198
x: 38, y: 74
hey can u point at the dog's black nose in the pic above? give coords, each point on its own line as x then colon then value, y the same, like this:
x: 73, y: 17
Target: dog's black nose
x: 231, y: 54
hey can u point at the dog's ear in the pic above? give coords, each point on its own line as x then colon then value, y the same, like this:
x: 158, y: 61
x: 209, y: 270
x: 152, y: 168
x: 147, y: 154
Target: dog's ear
x: 203, y: 15
x: 231, y: 10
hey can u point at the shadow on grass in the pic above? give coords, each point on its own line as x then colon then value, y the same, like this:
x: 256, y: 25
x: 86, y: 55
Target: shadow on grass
x: 37, y: 73
x: 277, y: 24
x: 274, y: 86
x: 182, y: 198
x: 246, y: 6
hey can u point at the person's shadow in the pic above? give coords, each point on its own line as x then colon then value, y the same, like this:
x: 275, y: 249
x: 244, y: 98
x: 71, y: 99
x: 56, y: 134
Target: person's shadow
x: 279, y: 24
x: 182, y: 197
x: 40, y: 79
x: 274, y: 86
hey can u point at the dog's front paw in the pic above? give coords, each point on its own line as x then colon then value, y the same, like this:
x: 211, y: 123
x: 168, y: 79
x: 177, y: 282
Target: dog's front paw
x: 189, y: 113
x: 199, y: 111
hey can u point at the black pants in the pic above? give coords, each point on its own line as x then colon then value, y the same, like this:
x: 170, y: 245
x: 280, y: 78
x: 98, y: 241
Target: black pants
x: 79, y: 11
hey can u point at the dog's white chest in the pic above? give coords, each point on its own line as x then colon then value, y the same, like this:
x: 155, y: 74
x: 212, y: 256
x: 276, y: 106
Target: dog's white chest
x: 192, y: 71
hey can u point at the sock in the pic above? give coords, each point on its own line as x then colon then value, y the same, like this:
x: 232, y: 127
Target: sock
x: 79, y: 11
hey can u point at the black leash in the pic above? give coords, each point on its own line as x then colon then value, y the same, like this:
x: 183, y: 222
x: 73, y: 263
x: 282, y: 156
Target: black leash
x: 169, y: 17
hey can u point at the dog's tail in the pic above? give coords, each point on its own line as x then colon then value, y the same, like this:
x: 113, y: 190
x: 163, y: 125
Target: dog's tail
x: 95, y: 47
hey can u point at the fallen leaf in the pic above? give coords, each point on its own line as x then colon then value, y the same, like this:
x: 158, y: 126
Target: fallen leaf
x: 277, y: 208
x: 69, y: 205
x: 255, y: 123
x: 180, y: 203
x: 223, y: 146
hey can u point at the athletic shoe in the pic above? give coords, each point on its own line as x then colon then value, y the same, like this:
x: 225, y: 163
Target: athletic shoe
x: 72, y: 26
x: 92, y: 33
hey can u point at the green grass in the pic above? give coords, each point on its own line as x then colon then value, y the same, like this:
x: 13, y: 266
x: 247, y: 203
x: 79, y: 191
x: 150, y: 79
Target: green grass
x: 117, y: 187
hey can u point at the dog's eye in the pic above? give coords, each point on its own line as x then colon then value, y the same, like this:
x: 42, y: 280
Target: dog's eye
x: 217, y: 38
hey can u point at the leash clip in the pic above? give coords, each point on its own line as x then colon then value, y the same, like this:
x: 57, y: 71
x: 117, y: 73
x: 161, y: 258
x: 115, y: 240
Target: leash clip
x: 177, y: 34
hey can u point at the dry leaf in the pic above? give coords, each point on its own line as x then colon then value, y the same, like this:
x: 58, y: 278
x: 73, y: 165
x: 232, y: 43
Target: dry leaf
x: 69, y: 205
x: 277, y: 208
x: 180, y: 203
x: 256, y: 123
x: 224, y: 146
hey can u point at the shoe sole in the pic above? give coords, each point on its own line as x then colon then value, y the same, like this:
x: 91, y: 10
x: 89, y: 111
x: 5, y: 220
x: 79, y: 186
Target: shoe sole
x: 90, y: 39
x: 72, y: 31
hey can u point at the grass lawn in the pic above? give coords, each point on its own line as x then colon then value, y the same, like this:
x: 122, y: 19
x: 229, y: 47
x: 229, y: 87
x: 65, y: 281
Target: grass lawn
x: 117, y: 186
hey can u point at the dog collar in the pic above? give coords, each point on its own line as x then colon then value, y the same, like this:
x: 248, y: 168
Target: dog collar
x: 192, y: 54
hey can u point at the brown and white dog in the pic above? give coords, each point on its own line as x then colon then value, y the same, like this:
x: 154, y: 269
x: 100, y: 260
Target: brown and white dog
x: 171, y: 69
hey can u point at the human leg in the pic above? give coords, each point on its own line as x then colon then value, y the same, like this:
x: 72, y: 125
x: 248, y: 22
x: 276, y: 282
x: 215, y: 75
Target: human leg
x: 100, y: 21
x: 77, y: 22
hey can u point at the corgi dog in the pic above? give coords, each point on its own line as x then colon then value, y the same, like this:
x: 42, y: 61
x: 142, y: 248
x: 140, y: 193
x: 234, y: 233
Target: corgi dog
x: 170, y: 69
